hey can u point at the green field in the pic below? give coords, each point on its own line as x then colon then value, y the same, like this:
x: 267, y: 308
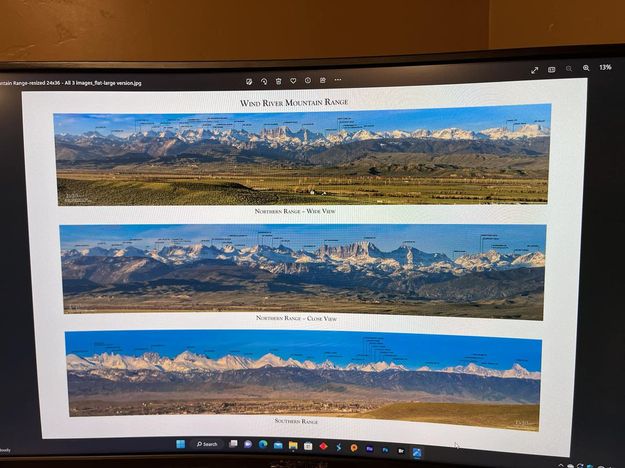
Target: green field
x: 300, y: 186
x: 518, y: 417
x: 499, y: 416
x: 257, y: 299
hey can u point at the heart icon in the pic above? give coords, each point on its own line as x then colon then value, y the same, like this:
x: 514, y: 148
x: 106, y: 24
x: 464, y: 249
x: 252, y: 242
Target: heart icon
x: 293, y: 80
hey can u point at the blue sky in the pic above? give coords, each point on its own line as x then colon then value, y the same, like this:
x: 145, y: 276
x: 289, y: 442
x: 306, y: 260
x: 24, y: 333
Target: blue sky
x: 468, y: 118
x: 411, y: 350
x: 432, y: 238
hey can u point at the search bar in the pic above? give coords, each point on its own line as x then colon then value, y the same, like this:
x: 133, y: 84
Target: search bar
x: 206, y: 444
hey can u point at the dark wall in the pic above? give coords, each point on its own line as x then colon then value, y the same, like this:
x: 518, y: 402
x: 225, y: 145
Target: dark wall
x: 536, y: 23
x: 236, y: 29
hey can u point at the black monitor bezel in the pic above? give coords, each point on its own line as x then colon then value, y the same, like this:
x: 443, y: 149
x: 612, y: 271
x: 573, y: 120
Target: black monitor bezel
x: 560, y: 52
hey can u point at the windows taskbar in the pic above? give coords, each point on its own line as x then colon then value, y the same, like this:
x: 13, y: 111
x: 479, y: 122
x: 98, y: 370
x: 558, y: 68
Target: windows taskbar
x: 299, y: 446
x: 274, y: 446
x: 277, y: 447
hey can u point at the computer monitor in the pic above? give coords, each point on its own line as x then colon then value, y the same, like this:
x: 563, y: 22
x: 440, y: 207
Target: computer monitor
x: 399, y: 258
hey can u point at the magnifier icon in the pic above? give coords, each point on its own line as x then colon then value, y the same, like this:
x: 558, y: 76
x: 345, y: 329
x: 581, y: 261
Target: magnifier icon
x: 586, y: 68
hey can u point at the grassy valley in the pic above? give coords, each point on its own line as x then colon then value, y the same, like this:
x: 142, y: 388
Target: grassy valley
x: 366, y: 182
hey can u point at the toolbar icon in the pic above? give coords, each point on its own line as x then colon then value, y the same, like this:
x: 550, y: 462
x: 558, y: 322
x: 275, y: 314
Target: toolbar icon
x: 181, y: 443
x: 322, y: 79
x: 323, y: 446
x: 264, y: 81
x: 278, y: 81
x: 277, y: 445
x: 551, y: 69
x: 308, y: 446
x: 262, y: 444
x: 293, y: 445
x: 416, y: 453
x: 534, y: 70
x: 353, y: 447
x: 307, y: 80
x: 293, y: 80
x: 248, y: 81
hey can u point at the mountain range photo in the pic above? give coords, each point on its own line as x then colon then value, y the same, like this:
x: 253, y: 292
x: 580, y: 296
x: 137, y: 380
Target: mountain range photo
x: 494, y: 154
x: 466, y: 270
x: 468, y: 380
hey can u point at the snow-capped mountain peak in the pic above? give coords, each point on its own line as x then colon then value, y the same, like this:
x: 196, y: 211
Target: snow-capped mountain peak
x: 189, y: 362
x: 517, y: 132
x: 159, y: 142
x: 457, y: 134
x: 516, y: 371
x: 362, y: 255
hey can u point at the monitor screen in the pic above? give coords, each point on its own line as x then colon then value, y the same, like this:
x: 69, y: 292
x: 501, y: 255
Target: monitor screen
x: 399, y: 259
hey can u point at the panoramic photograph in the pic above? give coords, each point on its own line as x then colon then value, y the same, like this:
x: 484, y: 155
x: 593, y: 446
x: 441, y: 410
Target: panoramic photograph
x: 480, y: 271
x: 463, y: 380
x: 468, y: 155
